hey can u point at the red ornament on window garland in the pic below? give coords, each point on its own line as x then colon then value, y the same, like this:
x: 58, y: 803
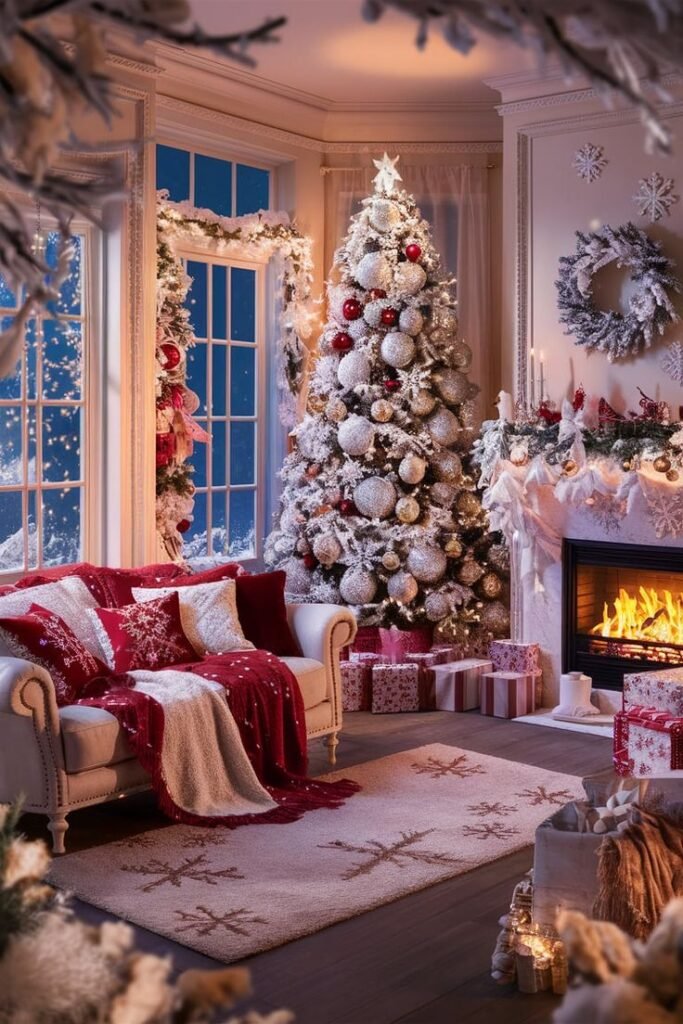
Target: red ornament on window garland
x: 352, y: 309
x: 347, y: 507
x: 183, y: 526
x: 170, y: 355
x: 389, y: 317
x: 413, y: 252
x: 392, y: 385
x: 342, y: 342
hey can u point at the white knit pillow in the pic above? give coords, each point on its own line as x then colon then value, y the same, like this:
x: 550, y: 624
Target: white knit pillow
x: 69, y: 598
x: 208, y: 612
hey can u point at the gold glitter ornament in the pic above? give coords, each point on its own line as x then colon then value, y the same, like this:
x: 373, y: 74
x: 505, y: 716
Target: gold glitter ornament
x: 407, y: 510
x: 453, y: 547
x: 402, y: 587
x: 437, y: 607
x: 381, y: 410
x: 412, y: 469
x: 426, y: 562
x: 422, y: 403
x: 443, y: 494
x: 569, y: 467
x: 451, y: 385
x: 316, y: 403
x: 447, y: 466
x: 519, y: 455
x: 672, y: 475
x: 467, y: 504
x: 461, y: 355
x: 444, y: 426
x: 336, y: 410
x: 490, y: 585
x: 495, y: 617
x: 327, y: 548
x: 662, y: 464
x: 626, y: 465
x: 390, y: 561
x: 470, y: 572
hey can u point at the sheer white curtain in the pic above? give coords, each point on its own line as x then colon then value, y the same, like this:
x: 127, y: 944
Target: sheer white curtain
x: 455, y: 200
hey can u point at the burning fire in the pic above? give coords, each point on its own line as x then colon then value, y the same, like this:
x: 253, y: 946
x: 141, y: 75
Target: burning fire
x: 648, y: 616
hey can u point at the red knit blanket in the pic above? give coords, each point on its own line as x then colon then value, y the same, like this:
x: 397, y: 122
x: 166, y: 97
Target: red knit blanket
x: 265, y: 700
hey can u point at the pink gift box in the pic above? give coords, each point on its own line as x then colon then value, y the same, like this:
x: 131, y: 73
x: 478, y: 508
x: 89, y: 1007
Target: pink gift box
x: 647, y: 742
x: 511, y: 656
x: 507, y: 694
x: 426, y: 664
x: 457, y: 684
x: 662, y: 690
x: 356, y: 682
x: 397, y: 643
x: 395, y: 688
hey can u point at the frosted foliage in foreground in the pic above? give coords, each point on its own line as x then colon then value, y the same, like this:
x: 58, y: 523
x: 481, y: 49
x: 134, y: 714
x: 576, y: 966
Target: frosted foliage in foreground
x: 379, y: 510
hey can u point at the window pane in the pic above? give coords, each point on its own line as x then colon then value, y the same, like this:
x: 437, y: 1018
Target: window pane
x: 173, y: 172
x: 61, y: 443
x: 219, y: 523
x: 11, y: 468
x: 242, y: 520
x: 218, y: 459
x: 62, y: 360
x: 11, y: 531
x: 196, y: 373
x: 62, y: 526
x: 32, y: 530
x: 242, y: 304
x: 242, y: 381
x: 242, y: 453
x: 32, y: 442
x: 219, y: 379
x: 7, y: 296
x: 69, y: 301
x: 213, y: 184
x: 219, y: 302
x: 31, y: 353
x: 198, y: 460
x: 10, y: 387
x: 196, y: 298
x: 194, y: 541
x: 252, y: 189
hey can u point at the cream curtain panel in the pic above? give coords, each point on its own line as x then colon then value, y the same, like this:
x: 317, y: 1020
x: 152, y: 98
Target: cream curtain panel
x: 455, y: 200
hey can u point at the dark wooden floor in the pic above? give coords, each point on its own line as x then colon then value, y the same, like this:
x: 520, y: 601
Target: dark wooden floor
x: 421, y: 960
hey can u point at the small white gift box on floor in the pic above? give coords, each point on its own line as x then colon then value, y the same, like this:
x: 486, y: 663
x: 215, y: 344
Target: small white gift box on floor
x: 507, y: 694
x: 457, y: 684
x: 395, y: 688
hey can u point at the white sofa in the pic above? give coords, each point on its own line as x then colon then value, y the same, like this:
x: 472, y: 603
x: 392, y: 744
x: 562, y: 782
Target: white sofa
x: 61, y: 759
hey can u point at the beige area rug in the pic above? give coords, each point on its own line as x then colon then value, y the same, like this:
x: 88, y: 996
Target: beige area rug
x: 423, y: 815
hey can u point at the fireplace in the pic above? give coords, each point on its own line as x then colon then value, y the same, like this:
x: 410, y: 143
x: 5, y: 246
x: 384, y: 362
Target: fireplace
x: 622, y: 609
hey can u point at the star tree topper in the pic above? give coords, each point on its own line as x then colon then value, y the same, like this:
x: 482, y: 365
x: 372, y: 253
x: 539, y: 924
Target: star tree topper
x: 387, y: 177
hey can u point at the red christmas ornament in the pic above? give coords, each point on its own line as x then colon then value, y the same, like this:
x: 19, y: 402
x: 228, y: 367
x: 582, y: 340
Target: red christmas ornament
x: 413, y: 252
x: 389, y: 317
x: 377, y: 293
x: 547, y: 414
x: 310, y: 561
x: 347, y: 507
x: 392, y: 385
x: 352, y: 309
x: 342, y: 342
x: 170, y: 355
x: 183, y: 526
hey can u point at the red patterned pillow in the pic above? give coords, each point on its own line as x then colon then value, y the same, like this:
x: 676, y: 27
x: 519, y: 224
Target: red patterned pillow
x: 111, y: 588
x: 263, y: 613
x: 42, y: 637
x: 218, y: 573
x: 146, y: 635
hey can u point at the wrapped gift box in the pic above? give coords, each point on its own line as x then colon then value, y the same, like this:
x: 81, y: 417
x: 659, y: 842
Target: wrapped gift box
x: 647, y: 742
x: 367, y: 639
x: 426, y: 664
x: 366, y: 658
x: 507, y: 694
x: 511, y: 656
x: 447, y: 652
x: 397, y: 643
x: 395, y: 688
x: 662, y: 690
x: 457, y: 684
x: 356, y: 683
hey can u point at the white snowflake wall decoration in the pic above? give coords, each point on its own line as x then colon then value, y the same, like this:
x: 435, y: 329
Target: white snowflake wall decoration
x: 589, y: 162
x: 672, y: 362
x: 655, y: 196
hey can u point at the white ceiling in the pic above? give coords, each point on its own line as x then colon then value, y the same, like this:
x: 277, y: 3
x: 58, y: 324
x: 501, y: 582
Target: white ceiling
x: 328, y: 53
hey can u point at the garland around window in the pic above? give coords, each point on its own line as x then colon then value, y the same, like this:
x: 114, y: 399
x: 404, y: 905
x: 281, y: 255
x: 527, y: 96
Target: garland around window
x: 650, y: 308
x: 262, y: 235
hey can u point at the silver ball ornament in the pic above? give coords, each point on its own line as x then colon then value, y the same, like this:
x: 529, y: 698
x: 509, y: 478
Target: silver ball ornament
x: 461, y: 356
x: 372, y: 314
x: 327, y: 548
x: 422, y: 403
x: 447, y: 466
x: 444, y: 427
x: 390, y: 561
x: 398, y: 349
x: 299, y: 579
x: 402, y: 587
x: 437, y: 607
x: 451, y: 385
x: 407, y: 510
x: 356, y: 435
x: 409, y: 278
x: 410, y: 321
x: 443, y: 494
x: 373, y: 271
x: 412, y: 469
x: 384, y: 215
x: 427, y: 563
x: 354, y: 369
x: 448, y: 320
x: 375, y: 497
x: 336, y: 410
x: 358, y: 586
x: 495, y: 617
x: 381, y: 410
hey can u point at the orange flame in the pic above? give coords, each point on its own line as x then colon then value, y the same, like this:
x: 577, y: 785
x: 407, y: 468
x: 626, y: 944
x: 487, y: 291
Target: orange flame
x: 647, y: 616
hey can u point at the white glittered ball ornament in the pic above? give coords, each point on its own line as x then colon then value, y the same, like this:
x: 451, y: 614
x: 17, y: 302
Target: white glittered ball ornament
x: 298, y: 577
x: 384, y: 215
x: 402, y: 587
x: 356, y: 435
x: 451, y: 385
x: 373, y: 271
x: 461, y: 356
x: 397, y: 349
x: 372, y: 314
x: 447, y: 466
x: 357, y: 329
x: 443, y: 427
x: 437, y: 607
x: 327, y: 548
x: 422, y: 403
x: 354, y: 369
x: 443, y: 494
x: 427, y: 563
x: 381, y: 410
x: 358, y: 586
x: 407, y: 510
x: 390, y: 561
x: 409, y: 278
x: 302, y: 546
x: 375, y: 497
x: 410, y: 321
x: 412, y: 469
x: 336, y: 410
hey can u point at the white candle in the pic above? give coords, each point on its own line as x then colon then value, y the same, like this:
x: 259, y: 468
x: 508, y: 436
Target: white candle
x: 532, y: 379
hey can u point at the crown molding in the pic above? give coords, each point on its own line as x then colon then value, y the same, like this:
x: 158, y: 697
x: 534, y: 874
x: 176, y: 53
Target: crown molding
x: 574, y: 93
x: 413, y: 147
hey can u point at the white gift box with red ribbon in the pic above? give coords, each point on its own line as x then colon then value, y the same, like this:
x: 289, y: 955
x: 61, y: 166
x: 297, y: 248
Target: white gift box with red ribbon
x: 395, y: 688
x: 457, y: 684
x: 512, y: 656
x: 356, y: 682
x: 662, y: 690
x: 507, y: 694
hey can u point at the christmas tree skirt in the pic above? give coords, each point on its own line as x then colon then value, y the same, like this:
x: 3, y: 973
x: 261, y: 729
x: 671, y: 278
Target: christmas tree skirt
x: 422, y: 816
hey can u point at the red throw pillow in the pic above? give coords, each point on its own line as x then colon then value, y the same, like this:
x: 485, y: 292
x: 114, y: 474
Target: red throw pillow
x: 111, y: 588
x: 227, y: 571
x: 42, y: 637
x: 148, y: 635
x: 263, y: 613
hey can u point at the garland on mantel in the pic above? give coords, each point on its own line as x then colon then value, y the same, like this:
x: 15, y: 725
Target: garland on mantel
x: 261, y: 236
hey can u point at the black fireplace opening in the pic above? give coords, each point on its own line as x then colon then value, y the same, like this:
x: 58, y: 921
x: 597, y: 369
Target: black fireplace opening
x: 622, y: 609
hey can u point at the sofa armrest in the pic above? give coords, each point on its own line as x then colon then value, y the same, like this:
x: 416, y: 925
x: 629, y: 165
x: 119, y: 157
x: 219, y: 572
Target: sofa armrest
x: 322, y: 630
x: 27, y: 689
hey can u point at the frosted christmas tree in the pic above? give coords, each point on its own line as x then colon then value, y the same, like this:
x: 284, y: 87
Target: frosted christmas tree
x: 379, y: 510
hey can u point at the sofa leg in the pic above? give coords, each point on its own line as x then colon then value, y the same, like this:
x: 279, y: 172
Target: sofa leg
x: 58, y: 826
x: 332, y: 744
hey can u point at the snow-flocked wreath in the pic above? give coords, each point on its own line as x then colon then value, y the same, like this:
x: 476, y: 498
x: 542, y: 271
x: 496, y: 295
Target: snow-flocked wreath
x: 650, y: 307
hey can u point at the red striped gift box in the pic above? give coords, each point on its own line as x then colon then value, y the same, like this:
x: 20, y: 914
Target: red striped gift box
x: 647, y: 742
x: 457, y: 684
x: 507, y: 694
x: 425, y: 666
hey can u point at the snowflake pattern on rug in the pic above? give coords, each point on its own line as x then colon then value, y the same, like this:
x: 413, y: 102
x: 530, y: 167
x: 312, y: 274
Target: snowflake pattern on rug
x: 459, y: 766
x: 490, y: 830
x: 607, y: 511
x: 204, y: 921
x: 672, y: 362
x: 398, y: 853
x: 141, y: 842
x: 542, y: 795
x: 192, y: 868
x: 200, y: 840
x: 589, y: 162
x: 655, y: 196
x: 484, y: 809
x: 665, y: 511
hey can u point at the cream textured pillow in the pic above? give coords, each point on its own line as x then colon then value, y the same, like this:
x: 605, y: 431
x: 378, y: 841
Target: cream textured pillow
x: 69, y: 598
x: 208, y: 612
